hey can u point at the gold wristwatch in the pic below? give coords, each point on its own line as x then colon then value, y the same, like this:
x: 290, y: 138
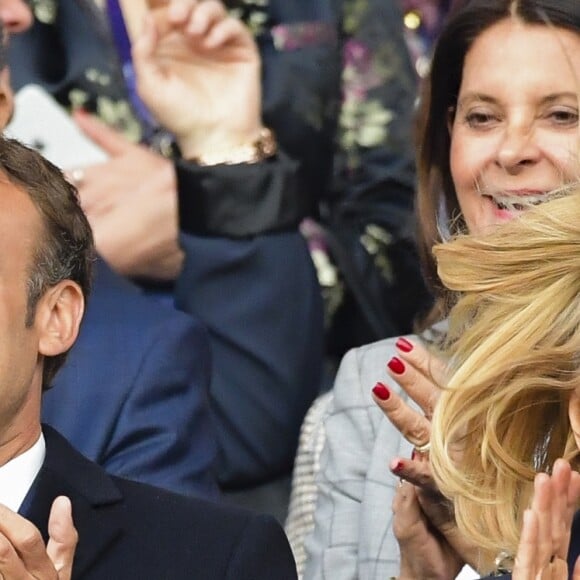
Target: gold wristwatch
x: 263, y: 147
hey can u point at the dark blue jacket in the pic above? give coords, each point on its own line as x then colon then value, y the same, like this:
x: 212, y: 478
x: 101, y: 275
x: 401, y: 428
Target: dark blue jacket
x: 132, y: 395
x: 131, y: 531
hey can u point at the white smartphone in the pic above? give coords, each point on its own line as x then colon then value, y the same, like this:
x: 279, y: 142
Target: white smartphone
x: 43, y: 124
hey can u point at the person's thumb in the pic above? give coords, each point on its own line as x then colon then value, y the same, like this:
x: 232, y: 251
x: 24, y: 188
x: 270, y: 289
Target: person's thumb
x: 63, y: 537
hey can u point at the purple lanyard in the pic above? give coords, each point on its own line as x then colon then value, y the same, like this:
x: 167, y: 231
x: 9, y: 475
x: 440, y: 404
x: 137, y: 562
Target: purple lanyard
x: 123, y: 47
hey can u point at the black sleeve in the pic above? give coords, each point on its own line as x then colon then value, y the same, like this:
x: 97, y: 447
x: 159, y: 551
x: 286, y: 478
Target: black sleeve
x: 239, y: 201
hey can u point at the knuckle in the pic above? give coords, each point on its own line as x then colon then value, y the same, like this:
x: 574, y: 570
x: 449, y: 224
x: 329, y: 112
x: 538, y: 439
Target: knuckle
x: 417, y: 431
x: 30, y: 540
x: 6, y: 549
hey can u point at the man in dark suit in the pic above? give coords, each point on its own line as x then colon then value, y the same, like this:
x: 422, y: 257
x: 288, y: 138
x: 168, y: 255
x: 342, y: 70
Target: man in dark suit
x: 124, y: 529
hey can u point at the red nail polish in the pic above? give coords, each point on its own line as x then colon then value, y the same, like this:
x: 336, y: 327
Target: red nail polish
x: 396, y: 365
x: 404, y: 345
x: 413, y: 455
x: 381, y: 392
x: 398, y: 467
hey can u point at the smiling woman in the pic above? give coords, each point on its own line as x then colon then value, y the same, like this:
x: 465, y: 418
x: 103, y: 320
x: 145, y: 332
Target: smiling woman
x: 511, y: 144
x: 508, y: 413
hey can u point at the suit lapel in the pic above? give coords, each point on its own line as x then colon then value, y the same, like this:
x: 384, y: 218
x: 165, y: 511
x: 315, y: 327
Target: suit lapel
x: 98, y: 508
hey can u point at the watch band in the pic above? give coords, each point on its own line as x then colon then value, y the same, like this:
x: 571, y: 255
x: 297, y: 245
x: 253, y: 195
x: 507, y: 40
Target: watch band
x: 263, y: 147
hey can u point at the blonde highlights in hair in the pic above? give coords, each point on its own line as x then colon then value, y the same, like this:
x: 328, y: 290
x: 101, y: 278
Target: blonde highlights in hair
x: 514, y: 359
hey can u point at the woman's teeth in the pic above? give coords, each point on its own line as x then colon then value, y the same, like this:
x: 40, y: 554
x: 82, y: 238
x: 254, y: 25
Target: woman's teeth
x: 514, y: 203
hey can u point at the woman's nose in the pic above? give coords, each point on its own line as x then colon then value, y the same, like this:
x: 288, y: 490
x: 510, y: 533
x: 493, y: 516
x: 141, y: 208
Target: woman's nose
x: 517, y: 149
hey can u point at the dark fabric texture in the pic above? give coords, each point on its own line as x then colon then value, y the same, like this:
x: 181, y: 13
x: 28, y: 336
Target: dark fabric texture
x: 129, y: 531
x: 240, y: 201
x: 265, y: 325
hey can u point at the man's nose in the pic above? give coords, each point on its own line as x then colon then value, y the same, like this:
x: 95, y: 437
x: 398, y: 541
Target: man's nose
x: 15, y: 15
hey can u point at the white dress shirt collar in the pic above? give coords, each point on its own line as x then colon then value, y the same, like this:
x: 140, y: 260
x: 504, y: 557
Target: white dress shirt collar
x: 17, y: 476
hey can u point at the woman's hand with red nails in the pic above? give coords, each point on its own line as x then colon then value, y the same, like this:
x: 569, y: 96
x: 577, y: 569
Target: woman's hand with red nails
x: 410, y: 413
x: 419, y: 374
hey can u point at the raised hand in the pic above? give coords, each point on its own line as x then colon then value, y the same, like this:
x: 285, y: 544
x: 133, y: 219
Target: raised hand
x: 198, y: 71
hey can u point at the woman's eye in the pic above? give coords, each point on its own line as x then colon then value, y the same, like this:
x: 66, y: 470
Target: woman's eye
x: 568, y: 117
x: 477, y: 119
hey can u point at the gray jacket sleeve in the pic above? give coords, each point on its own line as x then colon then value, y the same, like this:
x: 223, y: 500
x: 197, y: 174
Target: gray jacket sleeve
x: 352, y: 537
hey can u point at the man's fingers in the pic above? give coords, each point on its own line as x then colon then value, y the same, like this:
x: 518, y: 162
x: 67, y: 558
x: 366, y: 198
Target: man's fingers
x: 27, y: 542
x: 11, y: 566
x: 112, y: 141
x: 63, y: 537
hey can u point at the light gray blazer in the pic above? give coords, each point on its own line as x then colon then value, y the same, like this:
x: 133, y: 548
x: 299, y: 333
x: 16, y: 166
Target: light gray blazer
x: 353, y: 537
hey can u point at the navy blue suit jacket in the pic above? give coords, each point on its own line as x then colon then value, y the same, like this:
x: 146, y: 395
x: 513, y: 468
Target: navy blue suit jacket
x: 131, y: 531
x: 132, y: 395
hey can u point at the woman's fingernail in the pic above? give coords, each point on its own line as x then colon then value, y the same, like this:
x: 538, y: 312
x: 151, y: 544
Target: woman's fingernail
x: 381, y: 392
x: 398, y: 467
x: 413, y: 455
x: 396, y: 365
x: 404, y: 345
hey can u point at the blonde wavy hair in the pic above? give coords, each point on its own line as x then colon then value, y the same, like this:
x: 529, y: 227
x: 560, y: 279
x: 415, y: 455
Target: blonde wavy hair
x: 514, y: 360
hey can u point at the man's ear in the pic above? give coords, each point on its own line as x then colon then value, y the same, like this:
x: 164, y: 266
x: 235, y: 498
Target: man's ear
x: 58, y: 317
x: 574, y: 415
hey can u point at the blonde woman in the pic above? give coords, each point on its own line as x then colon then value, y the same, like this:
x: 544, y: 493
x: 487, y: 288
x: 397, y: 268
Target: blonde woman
x: 511, y: 403
x: 509, y: 412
